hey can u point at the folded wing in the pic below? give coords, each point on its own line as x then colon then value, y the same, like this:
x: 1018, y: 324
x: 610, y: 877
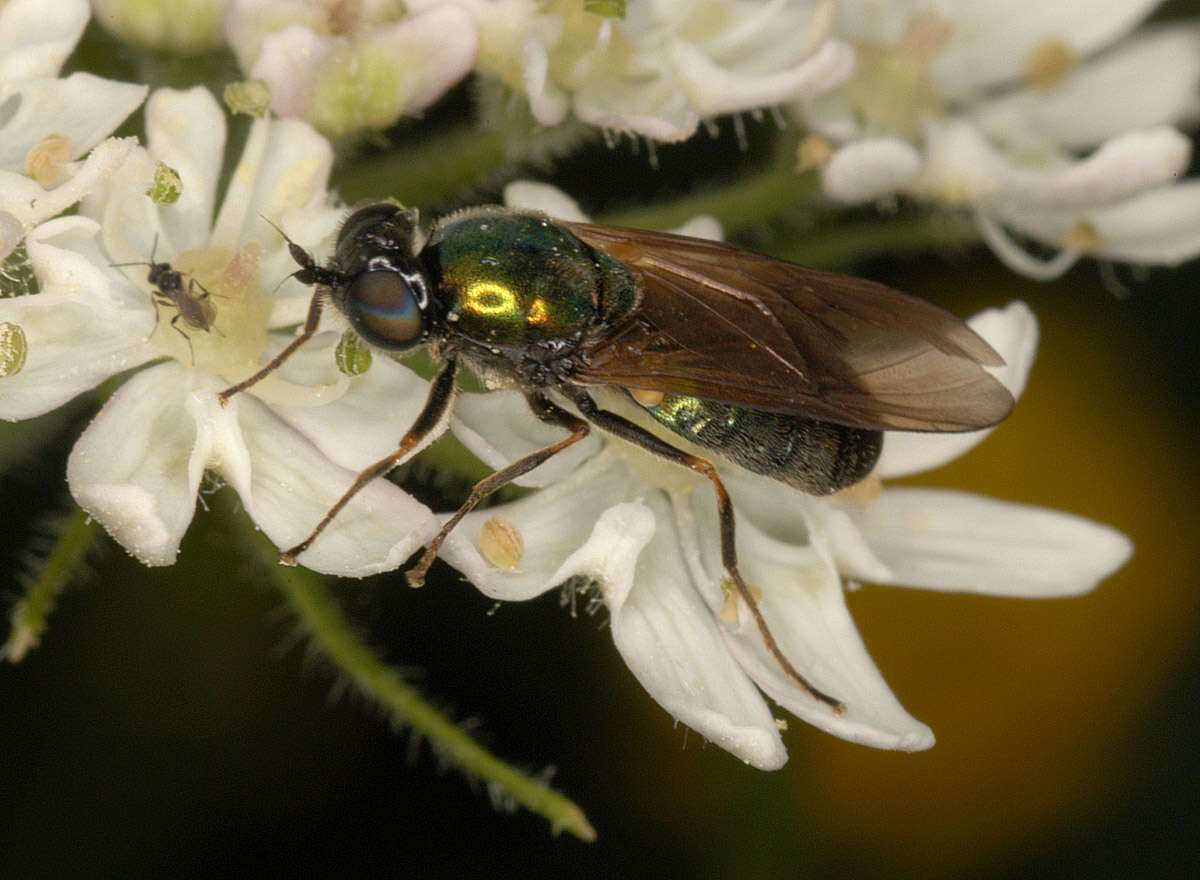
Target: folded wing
x: 724, y: 323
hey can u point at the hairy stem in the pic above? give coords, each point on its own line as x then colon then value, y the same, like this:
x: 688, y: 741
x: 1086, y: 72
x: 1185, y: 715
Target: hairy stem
x: 331, y: 632
x: 32, y: 612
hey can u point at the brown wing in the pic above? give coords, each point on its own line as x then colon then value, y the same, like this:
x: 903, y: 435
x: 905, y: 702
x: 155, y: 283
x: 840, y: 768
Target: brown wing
x: 728, y: 324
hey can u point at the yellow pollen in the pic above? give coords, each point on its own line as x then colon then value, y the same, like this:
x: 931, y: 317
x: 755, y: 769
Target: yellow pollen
x: 1083, y: 236
x: 814, y: 152
x: 1049, y: 63
x: 501, y: 543
x: 45, y: 160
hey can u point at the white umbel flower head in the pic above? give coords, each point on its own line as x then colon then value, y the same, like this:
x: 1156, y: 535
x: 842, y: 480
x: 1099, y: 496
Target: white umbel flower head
x: 292, y: 445
x: 1051, y: 121
x: 646, y: 534
x: 661, y: 67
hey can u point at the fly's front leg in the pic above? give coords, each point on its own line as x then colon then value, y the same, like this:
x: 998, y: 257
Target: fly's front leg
x: 548, y: 412
x: 441, y: 392
x: 310, y: 329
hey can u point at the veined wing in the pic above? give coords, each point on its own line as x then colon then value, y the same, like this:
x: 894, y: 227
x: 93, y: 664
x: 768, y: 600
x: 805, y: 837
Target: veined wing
x: 724, y: 323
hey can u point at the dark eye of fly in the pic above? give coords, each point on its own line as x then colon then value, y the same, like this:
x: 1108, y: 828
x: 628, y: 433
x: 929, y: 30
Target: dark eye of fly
x: 383, y: 307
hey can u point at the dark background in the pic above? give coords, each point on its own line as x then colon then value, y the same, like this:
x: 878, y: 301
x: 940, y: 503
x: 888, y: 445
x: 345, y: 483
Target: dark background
x: 172, y: 724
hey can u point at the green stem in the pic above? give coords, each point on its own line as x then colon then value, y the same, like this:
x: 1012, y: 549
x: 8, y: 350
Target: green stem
x: 843, y: 243
x: 744, y: 203
x: 324, y: 620
x: 778, y: 193
x: 32, y: 612
x: 437, y: 168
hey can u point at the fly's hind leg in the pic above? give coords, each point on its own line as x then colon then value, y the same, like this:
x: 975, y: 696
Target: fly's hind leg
x: 627, y: 430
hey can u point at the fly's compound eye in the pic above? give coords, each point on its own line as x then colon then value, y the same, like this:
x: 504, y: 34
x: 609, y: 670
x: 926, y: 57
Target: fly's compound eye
x: 384, y: 307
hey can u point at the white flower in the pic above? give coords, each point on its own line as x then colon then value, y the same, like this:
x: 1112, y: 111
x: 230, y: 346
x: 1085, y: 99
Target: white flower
x: 47, y: 124
x: 665, y: 65
x: 1051, y: 120
x: 345, y: 66
x: 292, y: 445
x: 647, y: 534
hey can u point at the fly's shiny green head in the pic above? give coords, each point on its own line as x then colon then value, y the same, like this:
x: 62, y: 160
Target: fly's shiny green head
x: 509, y: 279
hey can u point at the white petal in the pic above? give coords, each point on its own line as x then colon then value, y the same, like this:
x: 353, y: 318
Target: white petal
x: 365, y: 421
x: 991, y: 42
x: 1158, y: 227
x: 547, y: 102
x: 248, y: 22
x: 36, y: 37
x: 186, y: 131
x: 137, y: 467
x: 12, y: 233
x: 1013, y: 333
x: 77, y: 331
x: 804, y: 606
x: 29, y: 203
x: 288, y: 61
x: 869, y: 169
x: 702, y: 226
x: 714, y: 89
x: 72, y: 347
x: 649, y: 104
x: 1105, y: 96
x: 438, y: 45
x: 554, y: 523
x: 1013, y: 253
x: 529, y: 195
x: 795, y: 518
x: 284, y: 170
x: 961, y: 166
x: 294, y: 484
x: 499, y: 428
x: 946, y: 540
x: 668, y: 637
x: 83, y: 108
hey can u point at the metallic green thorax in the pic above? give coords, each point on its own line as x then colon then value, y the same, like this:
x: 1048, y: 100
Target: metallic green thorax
x: 815, y: 457
x: 509, y: 279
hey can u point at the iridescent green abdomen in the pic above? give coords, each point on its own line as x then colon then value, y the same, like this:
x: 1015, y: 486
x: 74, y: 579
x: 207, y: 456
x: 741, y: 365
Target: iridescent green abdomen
x: 816, y: 457
x: 510, y: 279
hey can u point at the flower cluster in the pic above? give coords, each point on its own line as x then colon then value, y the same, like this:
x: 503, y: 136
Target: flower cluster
x: 1055, y: 126
x: 49, y: 124
x: 605, y: 512
x: 1053, y: 123
x: 650, y: 69
x: 138, y: 467
x: 661, y: 67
